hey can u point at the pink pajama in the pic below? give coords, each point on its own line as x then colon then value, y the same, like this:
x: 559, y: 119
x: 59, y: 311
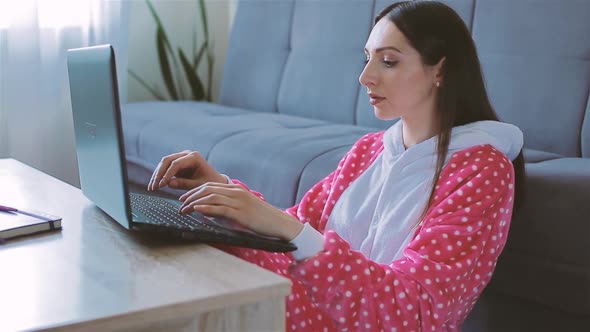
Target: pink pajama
x: 444, y: 268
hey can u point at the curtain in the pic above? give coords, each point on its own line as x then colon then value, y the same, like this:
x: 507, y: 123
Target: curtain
x: 36, y: 124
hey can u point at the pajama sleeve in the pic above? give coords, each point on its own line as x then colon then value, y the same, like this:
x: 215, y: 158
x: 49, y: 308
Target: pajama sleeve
x: 317, y: 203
x: 443, y: 269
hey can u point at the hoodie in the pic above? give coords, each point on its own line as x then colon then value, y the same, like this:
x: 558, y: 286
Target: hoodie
x: 378, y: 213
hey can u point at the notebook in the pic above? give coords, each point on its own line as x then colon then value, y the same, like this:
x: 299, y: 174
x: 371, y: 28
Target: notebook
x: 15, y: 223
x: 102, y: 167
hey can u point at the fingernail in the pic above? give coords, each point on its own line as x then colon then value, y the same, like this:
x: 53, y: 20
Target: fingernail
x: 161, y: 183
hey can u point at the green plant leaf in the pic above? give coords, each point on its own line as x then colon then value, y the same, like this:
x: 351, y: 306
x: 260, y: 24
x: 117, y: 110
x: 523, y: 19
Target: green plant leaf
x: 191, y: 76
x: 199, y: 56
x: 161, y: 33
x: 204, y: 19
x: 153, y: 91
x: 154, y: 14
x: 165, y: 64
x: 210, y: 78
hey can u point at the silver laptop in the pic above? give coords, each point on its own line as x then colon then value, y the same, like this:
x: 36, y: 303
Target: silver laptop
x: 102, y: 165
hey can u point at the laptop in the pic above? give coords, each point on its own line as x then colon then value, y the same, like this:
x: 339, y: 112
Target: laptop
x: 102, y: 164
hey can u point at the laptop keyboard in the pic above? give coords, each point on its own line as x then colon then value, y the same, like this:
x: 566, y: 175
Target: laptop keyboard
x: 162, y: 212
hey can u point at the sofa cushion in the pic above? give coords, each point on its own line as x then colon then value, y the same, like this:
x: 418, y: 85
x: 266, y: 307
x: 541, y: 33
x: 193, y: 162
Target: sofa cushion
x: 535, y: 156
x: 257, y: 53
x: 537, y: 72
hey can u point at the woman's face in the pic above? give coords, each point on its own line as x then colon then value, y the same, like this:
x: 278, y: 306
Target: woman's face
x: 398, y: 83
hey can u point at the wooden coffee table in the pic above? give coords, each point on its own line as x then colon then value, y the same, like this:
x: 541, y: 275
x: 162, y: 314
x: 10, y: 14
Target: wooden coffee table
x: 94, y: 275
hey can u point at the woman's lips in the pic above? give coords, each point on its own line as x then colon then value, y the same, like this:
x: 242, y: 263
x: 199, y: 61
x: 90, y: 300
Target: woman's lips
x: 375, y: 99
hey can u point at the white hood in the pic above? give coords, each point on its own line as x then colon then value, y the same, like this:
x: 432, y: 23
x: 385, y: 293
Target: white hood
x: 377, y: 212
x: 505, y: 137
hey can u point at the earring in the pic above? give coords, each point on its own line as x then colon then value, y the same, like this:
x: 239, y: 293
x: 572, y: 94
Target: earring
x: 437, y: 84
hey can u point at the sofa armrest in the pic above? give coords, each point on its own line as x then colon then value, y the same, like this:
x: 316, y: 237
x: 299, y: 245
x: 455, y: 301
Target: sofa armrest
x: 547, y: 256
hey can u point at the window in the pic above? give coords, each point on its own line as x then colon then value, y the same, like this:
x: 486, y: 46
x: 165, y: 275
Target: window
x: 48, y: 13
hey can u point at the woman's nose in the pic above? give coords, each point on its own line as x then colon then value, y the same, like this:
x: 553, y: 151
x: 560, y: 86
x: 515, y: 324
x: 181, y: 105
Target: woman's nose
x: 367, y: 77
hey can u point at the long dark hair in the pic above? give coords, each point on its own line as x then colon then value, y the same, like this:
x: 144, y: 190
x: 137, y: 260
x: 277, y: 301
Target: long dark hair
x: 436, y: 31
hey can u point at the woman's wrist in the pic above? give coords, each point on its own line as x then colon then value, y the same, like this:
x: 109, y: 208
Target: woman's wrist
x: 292, y: 228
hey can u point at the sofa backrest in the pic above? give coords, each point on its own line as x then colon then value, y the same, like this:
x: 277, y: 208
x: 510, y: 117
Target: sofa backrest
x: 303, y: 58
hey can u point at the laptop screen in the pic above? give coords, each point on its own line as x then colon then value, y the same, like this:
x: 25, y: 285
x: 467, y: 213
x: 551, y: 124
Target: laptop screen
x: 98, y: 132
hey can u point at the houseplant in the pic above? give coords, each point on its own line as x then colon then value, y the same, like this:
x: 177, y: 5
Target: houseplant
x: 177, y: 68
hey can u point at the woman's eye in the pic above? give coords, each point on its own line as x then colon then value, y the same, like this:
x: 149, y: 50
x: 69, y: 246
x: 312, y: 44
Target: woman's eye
x: 390, y: 64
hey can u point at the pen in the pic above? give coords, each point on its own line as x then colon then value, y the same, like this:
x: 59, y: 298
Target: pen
x: 38, y: 215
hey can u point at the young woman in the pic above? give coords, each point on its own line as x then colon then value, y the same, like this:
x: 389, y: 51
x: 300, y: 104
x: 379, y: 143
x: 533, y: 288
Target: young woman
x: 404, y: 235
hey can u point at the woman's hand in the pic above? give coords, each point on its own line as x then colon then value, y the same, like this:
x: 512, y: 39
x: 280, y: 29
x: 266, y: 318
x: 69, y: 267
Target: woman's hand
x: 183, y: 170
x: 233, y: 202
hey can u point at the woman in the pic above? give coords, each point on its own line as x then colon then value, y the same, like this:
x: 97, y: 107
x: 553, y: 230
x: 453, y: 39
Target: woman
x: 405, y: 233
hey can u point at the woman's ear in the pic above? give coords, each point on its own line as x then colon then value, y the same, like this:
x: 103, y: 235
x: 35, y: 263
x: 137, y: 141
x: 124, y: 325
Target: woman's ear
x: 439, y: 70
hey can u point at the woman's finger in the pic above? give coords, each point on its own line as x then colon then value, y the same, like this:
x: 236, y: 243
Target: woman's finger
x: 175, y: 167
x: 163, y: 167
x: 209, y: 186
x: 217, y: 199
x: 218, y: 211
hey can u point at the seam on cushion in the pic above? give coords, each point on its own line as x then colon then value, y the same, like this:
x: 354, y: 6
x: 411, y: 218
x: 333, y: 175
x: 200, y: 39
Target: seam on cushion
x: 289, y: 50
x: 309, y: 162
x: 472, y: 17
x: 228, y: 137
x: 355, y: 118
x: 585, y: 123
x: 581, y: 126
x: 140, y: 135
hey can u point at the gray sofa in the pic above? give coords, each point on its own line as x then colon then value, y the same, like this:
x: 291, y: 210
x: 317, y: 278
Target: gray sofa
x: 291, y: 106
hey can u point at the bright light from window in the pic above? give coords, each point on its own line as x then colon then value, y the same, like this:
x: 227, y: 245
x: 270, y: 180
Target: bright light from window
x: 15, y: 12
x: 62, y: 13
x: 48, y: 13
